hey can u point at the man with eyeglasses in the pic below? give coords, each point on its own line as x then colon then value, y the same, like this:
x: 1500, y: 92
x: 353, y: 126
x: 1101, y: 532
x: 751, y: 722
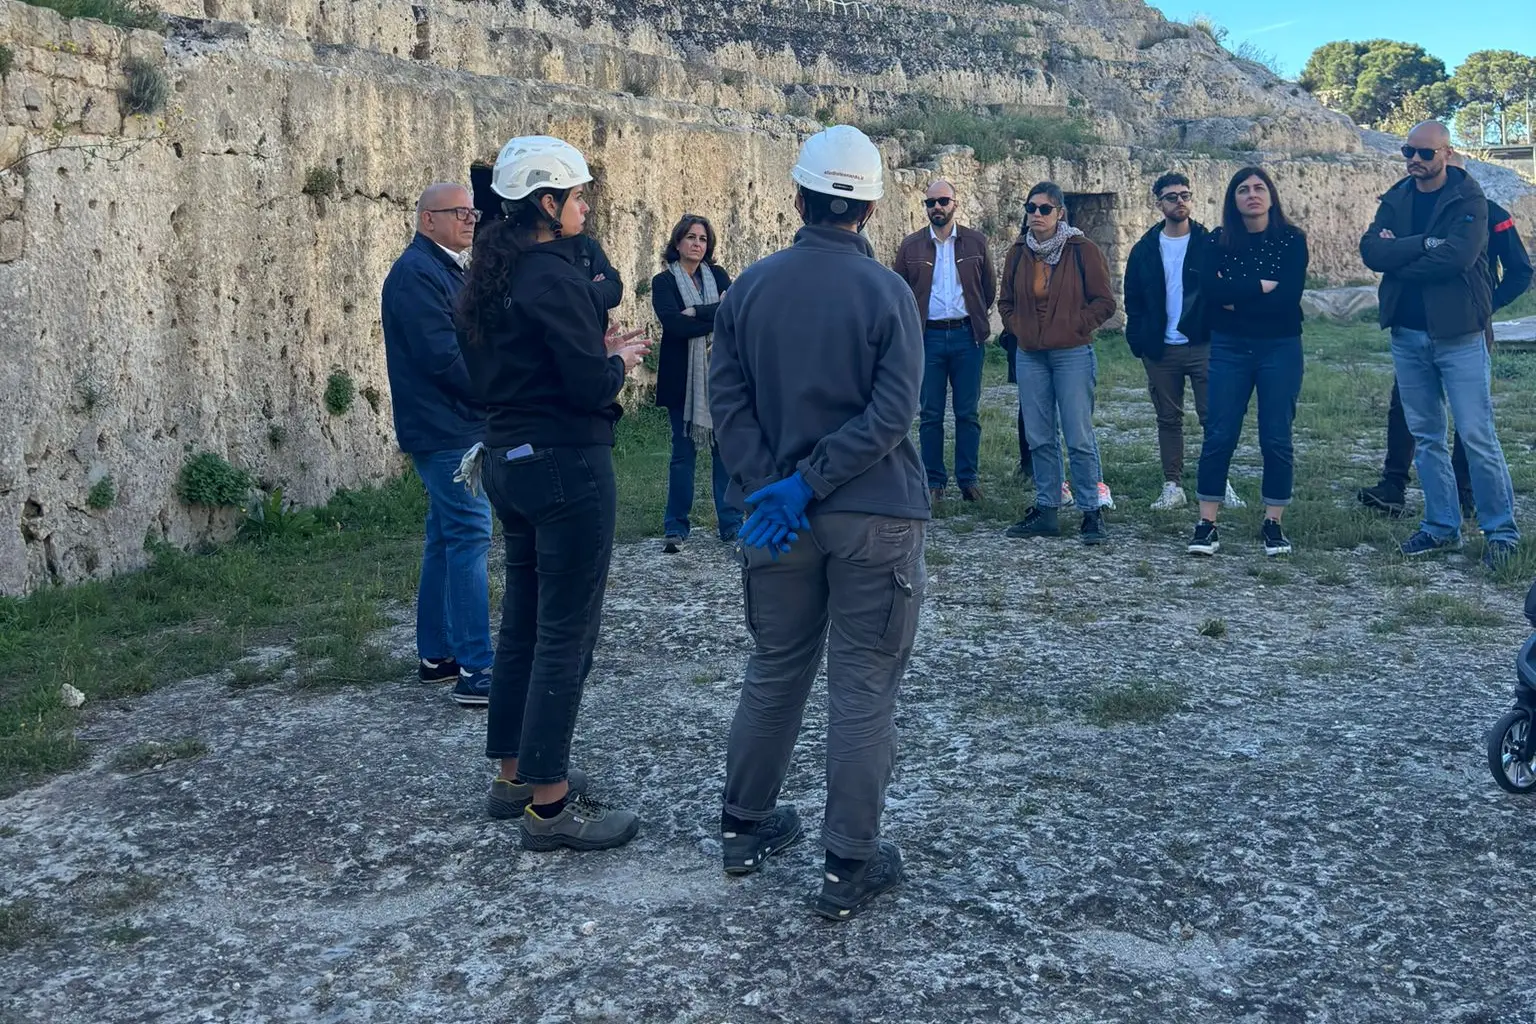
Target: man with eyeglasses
x: 949, y: 269
x: 437, y: 420
x: 1165, y: 326
x: 1509, y: 274
x: 1430, y: 240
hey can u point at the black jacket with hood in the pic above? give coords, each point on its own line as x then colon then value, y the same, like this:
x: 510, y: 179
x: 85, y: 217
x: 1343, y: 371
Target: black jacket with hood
x: 1448, y: 263
x: 1146, y: 294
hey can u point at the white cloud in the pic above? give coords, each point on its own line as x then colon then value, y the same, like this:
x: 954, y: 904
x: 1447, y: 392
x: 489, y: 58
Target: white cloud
x: 1269, y: 28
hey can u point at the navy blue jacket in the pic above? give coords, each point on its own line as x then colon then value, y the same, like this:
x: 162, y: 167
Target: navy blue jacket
x: 435, y: 407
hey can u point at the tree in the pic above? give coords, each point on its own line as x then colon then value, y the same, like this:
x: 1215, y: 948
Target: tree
x: 1498, y: 82
x: 1431, y: 103
x: 1369, y: 80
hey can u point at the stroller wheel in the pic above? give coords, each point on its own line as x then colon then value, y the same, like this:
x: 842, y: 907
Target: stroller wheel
x: 1504, y: 742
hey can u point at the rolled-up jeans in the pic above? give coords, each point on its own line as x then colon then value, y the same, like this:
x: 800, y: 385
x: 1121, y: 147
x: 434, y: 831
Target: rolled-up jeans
x: 1052, y: 382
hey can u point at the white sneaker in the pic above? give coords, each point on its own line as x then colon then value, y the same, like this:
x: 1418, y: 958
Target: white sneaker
x: 1232, y: 500
x: 1106, y: 500
x: 1171, y: 498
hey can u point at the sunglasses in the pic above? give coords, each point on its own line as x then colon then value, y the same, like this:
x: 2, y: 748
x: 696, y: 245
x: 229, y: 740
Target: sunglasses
x: 941, y: 201
x: 1424, y: 154
x: 463, y: 213
x: 1177, y: 197
x: 1043, y: 209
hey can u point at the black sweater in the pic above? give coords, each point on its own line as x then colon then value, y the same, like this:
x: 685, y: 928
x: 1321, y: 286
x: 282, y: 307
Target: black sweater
x: 677, y: 331
x: 545, y: 377
x: 1232, y: 279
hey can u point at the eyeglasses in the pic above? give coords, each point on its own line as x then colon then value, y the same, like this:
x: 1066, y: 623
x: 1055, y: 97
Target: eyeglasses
x: 941, y: 201
x: 464, y: 213
x: 1424, y: 154
x: 1177, y: 197
x: 1043, y: 209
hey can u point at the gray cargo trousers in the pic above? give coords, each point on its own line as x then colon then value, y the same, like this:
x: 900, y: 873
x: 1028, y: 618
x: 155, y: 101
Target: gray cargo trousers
x: 861, y: 576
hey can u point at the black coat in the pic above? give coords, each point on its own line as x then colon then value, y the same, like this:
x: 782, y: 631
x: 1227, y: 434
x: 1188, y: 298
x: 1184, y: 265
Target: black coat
x: 591, y: 261
x: 1146, y: 295
x: 676, y: 331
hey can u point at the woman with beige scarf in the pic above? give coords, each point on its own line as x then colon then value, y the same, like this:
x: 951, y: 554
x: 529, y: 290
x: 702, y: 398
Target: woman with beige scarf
x: 685, y: 297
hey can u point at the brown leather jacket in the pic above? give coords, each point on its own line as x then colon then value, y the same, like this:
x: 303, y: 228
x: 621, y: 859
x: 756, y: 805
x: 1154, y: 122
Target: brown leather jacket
x: 973, y: 265
x: 1079, y: 296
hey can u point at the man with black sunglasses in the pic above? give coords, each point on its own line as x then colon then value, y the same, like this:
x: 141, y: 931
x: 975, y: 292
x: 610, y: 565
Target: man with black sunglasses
x: 949, y: 269
x: 1166, y: 329
x: 437, y: 420
x: 1429, y: 240
x: 1509, y: 273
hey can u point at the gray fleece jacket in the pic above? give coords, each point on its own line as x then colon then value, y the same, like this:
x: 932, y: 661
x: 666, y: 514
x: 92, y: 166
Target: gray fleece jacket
x: 816, y: 366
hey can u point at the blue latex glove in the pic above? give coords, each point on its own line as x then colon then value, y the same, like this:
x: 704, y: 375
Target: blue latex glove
x: 779, y: 512
x: 791, y: 495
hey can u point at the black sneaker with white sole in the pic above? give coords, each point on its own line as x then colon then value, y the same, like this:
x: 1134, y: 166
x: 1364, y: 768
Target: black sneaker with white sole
x: 1275, y: 542
x: 744, y: 852
x: 445, y: 671
x: 1205, y: 541
x: 843, y: 894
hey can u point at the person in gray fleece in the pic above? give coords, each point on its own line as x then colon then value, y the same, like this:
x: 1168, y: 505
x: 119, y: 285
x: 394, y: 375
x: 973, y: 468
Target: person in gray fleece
x: 814, y: 383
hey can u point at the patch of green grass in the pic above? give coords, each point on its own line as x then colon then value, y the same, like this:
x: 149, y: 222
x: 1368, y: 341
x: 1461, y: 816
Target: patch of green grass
x: 147, y: 88
x: 7, y: 60
x: 991, y: 134
x: 154, y: 753
x: 209, y: 479
x: 21, y: 924
x: 127, y: 891
x: 1135, y: 704
x: 122, y: 13
x: 1448, y: 610
x: 339, y: 392
x: 102, y: 495
x: 938, y: 557
x: 125, y: 934
x: 246, y: 674
x: 1214, y: 628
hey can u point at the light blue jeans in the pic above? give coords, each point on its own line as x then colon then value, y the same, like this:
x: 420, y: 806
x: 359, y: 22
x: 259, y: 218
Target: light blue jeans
x: 1430, y: 373
x: 1052, y: 382
x: 453, y: 600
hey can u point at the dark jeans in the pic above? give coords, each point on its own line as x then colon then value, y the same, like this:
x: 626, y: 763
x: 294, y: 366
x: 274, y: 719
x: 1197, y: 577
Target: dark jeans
x: 453, y: 599
x: 1165, y: 383
x: 1400, y: 446
x: 680, y: 474
x: 851, y: 586
x: 557, y: 510
x: 952, y: 358
x: 1239, y: 367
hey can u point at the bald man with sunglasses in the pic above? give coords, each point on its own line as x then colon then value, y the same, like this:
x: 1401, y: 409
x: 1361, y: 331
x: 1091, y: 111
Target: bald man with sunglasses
x: 949, y: 268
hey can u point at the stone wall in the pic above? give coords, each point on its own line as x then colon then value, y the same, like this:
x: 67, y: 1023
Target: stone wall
x: 167, y: 287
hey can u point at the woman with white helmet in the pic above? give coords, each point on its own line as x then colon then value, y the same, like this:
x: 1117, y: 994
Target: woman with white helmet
x: 533, y: 337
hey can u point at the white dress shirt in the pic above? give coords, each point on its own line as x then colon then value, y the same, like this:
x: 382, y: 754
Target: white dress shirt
x: 946, y: 300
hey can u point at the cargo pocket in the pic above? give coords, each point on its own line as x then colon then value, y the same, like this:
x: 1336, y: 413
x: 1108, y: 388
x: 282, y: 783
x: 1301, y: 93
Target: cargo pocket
x: 749, y: 607
x: 908, y: 582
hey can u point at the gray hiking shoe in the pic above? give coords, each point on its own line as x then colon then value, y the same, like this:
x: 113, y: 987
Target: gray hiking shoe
x: 842, y: 897
x: 507, y: 799
x: 583, y: 824
x: 744, y: 852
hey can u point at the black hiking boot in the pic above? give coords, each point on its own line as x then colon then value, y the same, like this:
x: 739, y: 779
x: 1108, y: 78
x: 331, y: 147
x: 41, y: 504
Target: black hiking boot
x: 1383, y: 498
x: 744, y: 851
x: 844, y: 893
x: 1039, y: 521
x: 1094, y: 531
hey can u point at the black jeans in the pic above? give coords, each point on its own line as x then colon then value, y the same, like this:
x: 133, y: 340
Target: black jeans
x: 557, y: 509
x: 1400, y: 446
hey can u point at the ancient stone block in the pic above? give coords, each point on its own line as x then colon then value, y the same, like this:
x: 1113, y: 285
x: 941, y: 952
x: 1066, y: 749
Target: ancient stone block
x: 13, y: 235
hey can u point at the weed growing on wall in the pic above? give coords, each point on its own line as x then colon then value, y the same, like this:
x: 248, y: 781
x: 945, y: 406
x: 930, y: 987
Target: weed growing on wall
x: 321, y: 181
x: 147, y: 89
x: 103, y: 494
x: 339, y: 392
x: 209, y: 479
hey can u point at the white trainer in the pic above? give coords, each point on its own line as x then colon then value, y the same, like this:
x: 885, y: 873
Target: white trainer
x: 1171, y: 498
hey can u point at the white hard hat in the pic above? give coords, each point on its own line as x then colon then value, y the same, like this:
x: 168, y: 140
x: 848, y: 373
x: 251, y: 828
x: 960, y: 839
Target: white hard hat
x: 841, y: 161
x: 531, y: 162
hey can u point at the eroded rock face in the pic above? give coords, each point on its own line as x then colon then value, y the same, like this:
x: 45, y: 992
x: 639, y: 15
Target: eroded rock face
x: 167, y: 286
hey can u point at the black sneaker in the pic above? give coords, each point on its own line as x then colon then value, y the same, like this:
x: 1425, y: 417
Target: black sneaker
x: 744, y: 852
x: 473, y: 690
x: 1039, y: 521
x: 842, y: 896
x: 445, y: 671
x: 1274, y: 539
x: 1094, y: 531
x: 1383, y: 498
x: 672, y: 544
x: 1422, y: 543
x: 1205, y: 541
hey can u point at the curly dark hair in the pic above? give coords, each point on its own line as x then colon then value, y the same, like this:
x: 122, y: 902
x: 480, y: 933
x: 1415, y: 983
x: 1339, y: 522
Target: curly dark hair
x: 482, y: 305
x: 670, y: 253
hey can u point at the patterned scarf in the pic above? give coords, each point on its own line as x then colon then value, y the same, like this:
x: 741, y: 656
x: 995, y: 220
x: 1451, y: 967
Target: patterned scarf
x: 1051, y: 249
x: 696, y: 418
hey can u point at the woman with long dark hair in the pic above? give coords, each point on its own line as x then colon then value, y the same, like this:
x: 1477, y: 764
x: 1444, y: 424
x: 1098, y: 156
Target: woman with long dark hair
x: 1054, y: 294
x: 549, y: 375
x: 1252, y: 274
x: 685, y: 297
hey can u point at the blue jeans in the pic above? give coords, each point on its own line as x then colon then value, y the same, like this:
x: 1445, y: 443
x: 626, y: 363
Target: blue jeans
x: 951, y: 358
x: 685, y: 459
x: 1052, y: 383
x: 1272, y: 367
x: 1430, y: 373
x: 453, y: 599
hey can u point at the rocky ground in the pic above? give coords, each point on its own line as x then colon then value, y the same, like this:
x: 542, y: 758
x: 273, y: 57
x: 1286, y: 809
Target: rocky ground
x: 1302, y: 829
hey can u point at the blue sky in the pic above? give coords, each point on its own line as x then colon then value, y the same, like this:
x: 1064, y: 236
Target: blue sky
x: 1293, y: 30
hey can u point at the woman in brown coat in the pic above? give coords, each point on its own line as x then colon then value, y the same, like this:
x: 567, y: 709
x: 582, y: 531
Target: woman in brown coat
x: 1055, y: 293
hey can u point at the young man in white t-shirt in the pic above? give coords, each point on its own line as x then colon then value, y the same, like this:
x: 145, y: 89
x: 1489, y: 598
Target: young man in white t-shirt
x: 1165, y: 326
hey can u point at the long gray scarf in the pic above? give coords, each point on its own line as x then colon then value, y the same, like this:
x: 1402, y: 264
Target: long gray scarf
x: 1051, y: 249
x: 696, y: 418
